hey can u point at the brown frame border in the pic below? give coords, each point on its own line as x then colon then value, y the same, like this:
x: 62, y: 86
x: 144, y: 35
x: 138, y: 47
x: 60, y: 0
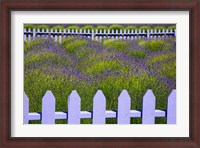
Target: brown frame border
x: 193, y: 141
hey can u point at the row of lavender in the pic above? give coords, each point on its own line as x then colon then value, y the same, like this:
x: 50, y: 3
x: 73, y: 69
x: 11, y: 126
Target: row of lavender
x: 98, y: 35
x: 99, y: 113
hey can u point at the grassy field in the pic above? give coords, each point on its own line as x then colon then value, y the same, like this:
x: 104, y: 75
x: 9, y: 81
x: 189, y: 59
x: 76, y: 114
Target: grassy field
x: 111, y: 66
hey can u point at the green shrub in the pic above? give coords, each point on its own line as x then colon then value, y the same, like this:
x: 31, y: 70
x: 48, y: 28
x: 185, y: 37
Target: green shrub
x: 72, y: 46
x: 58, y: 27
x: 162, y: 58
x: 89, y: 27
x: 144, y: 28
x: 137, y: 54
x: 159, y: 28
x: 116, y: 27
x: 169, y: 70
x: 130, y: 28
x: 141, y: 42
x: 42, y: 57
x: 45, y: 27
x: 101, y: 28
x: 157, y: 45
x: 172, y: 27
x: 102, y: 66
x: 67, y: 41
x: 73, y: 28
x: 27, y: 26
x: 28, y: 45
x: 119, y: 45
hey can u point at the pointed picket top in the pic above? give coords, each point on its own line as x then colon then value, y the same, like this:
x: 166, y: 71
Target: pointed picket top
x: 26, y: 108
x: 99, y: 108
x: 124, y: 105
x: 148, y: 108
x: 171, y: 108
x: 74, y: 105
x: 48, y: 108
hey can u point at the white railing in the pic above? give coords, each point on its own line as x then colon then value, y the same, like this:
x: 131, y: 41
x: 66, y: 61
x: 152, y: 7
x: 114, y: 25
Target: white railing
x: 99, y: 113
x: 59, y: 35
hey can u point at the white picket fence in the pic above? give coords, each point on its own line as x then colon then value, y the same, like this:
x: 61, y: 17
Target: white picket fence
x: 59, y: 35
x: 99, y: 113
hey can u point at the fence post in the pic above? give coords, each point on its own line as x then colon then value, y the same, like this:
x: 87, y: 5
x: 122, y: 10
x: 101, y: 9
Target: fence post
x: 123, y: 113
x: 96, y: 35
x: 99, y: 108
x: 171, y: 108
x: 92, y: 34
x: 174, y: 32
x: 147, y: 34
x: 29, y: 35
x: 47, y: 33
x: 48, y: 108
x: 60, y: 36
x: 148, y: 108
x: 26, y: 109
x: 38, y: 32
x: 74, y: 102
x: 24, y: 34
x: 34, y: 33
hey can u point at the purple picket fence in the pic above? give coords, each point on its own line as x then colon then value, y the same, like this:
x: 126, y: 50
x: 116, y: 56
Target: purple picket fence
x: 99, y: 113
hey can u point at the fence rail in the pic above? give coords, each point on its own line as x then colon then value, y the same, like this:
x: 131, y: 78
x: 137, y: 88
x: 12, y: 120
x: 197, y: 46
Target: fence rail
x: 99, y: 113
x: 59, y: 35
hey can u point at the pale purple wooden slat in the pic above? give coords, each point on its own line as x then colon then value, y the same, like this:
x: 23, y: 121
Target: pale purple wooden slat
x: 24, y: 34
x: 34, y: 116
x: 99, y: 108
x: 171, y: 108
x: 34, y: 33
x: 123, y: 113
x: 48, y: 108
x: 92, y: 34
x: 26, y: 109
x: 74, y: 105
x: 160, y: 113
x: 85, y: 114
x: 148, y: 108
x: 111, y: 114
x: 135, y: 113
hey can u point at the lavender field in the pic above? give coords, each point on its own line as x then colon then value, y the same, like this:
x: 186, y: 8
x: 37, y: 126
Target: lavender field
x: 111, y: 66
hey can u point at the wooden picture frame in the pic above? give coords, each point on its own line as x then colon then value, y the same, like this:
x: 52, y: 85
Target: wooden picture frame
x: 118, y: 5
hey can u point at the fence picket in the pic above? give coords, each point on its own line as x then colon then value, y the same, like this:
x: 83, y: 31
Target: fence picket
x: 148, y: 108
x: 171, y: 108
x: 48, y: 108
x: 74, y: 104
x: 124, y: 106
x: 26, y: 108
x: 99, y: 108
x: 24, y: 34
